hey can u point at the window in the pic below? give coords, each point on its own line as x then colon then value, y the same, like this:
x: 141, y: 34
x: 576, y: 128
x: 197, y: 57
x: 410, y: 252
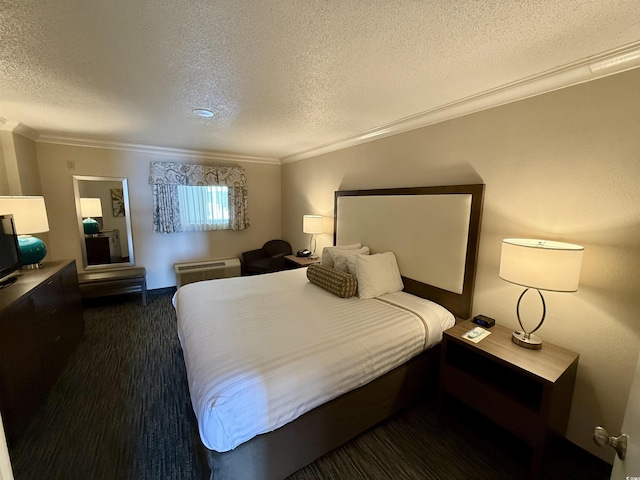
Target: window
x: 190, y: 197
x: 203, y: 207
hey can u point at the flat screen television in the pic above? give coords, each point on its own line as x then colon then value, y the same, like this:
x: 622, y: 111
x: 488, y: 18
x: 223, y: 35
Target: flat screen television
x: 9, y: 252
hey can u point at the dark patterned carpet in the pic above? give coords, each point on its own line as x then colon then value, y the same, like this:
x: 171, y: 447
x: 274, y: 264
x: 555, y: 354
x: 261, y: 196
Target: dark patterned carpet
x: 121, y: 410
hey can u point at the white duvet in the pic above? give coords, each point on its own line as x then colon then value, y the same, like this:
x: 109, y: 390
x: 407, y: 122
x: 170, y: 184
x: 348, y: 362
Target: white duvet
x: 261, y: 351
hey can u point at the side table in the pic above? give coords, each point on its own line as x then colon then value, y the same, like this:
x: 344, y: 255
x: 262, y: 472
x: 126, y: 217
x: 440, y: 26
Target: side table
x: 291, y: 261
x: 527, y: 392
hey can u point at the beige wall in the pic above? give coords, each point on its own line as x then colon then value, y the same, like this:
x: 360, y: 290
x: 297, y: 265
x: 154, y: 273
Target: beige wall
x: 10, y: 178
x: 562, y: 166
x: 156, y: 252
x: 19, y: 174
x: 18, y: 165
x: 4, y: 177
x: 25, y: 149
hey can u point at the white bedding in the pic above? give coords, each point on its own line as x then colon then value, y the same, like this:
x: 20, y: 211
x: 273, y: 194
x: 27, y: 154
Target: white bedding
x: 261, y: 351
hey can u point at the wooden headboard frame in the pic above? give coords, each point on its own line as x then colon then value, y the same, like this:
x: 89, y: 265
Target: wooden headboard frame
x: 459, y: 303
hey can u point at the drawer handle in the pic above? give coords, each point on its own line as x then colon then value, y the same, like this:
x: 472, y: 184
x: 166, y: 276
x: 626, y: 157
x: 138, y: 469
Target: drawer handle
x: 49, y: 283
x: 57, y: 339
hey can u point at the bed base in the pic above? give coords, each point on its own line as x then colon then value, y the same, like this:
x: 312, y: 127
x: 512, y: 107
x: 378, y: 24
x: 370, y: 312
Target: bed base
x: 277, y: 454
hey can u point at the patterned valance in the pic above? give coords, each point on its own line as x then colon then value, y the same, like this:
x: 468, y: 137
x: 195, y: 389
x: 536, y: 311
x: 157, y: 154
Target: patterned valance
x: 175, y: 173
x: 165, y: 177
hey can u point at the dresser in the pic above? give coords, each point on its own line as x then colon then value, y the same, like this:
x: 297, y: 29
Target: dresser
x: 103, y: 247
x: 41, y: 324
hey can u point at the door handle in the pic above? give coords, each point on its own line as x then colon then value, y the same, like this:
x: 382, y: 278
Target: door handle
x: 601, y: 437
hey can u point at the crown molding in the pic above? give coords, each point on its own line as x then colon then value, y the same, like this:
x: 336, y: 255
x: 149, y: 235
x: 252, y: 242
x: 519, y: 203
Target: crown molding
x: 17, y: 127
x: 598, y: 66
x: 592, y: 68
x: 131, y: 147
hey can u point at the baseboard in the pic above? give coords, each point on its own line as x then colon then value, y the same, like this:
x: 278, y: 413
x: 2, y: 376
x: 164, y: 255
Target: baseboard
x: 162, y: 291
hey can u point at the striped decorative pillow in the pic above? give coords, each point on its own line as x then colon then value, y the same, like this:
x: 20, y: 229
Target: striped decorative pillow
x: 339, y: 283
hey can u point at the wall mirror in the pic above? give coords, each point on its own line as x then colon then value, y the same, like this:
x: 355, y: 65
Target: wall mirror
x: 104, y: 221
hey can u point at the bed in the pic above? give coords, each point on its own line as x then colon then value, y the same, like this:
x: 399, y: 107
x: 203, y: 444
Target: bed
x: 281, y: 371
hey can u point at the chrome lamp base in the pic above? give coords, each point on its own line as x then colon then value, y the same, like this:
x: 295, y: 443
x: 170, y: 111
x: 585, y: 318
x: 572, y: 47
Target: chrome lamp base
x: 527, y: 340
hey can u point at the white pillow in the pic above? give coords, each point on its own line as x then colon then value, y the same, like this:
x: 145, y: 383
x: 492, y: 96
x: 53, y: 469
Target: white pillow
x: 351, y: 264
x: 377, y: 274
x: 341, y: 258
x: 327, y: 259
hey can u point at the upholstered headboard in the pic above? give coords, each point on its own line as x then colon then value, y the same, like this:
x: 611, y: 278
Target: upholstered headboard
x: 433, y: 231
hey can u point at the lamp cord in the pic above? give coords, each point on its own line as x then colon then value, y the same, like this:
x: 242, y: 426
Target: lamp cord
x: 544, y: 313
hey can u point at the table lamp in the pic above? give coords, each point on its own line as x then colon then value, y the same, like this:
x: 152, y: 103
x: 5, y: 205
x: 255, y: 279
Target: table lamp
x: 541, y: 265
x: 312, y: 224
x: 30, y: 216
x: 90, y: 207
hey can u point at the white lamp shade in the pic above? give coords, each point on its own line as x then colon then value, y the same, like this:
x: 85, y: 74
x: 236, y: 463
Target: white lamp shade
x: 29, y: 213
x: 541, y: 264
x: 91, y: 207
x: 312, y: 224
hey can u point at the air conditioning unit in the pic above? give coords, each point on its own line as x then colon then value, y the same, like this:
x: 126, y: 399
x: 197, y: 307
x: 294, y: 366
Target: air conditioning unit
x: 206, y: 270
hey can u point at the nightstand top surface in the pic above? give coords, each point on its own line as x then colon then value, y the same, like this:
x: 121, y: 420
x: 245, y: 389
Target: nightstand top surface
x: 302, y: 261
x: 548, y: 363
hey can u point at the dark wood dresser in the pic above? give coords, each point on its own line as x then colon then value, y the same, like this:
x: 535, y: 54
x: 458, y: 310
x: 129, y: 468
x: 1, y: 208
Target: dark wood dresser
x: 41, y: 323
x: 103, y: 247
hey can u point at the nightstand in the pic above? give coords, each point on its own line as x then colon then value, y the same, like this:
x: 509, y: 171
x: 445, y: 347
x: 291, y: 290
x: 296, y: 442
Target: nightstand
x: 291, y: 261
x: 526, y: 392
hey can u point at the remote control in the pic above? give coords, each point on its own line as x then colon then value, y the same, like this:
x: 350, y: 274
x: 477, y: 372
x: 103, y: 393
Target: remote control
x: 476, y: 332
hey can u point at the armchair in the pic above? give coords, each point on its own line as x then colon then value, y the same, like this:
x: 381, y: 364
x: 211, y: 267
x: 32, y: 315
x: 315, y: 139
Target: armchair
x: 269, y: 258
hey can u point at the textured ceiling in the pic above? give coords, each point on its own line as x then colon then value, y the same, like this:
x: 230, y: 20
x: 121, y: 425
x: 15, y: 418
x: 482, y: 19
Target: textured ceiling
x: 281, y: 76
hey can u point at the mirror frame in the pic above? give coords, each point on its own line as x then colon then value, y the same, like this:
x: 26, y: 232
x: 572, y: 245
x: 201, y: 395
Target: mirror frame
x: 127, y: 213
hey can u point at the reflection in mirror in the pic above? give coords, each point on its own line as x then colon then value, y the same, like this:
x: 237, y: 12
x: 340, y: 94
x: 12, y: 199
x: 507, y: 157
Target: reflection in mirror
x: 104, y: 224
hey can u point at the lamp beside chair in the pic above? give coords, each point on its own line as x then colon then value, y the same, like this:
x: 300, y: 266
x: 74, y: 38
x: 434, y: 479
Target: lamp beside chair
x: 312, y: 224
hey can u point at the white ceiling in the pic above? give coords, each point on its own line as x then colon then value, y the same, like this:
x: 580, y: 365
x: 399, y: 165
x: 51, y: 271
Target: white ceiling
x: 283, y: 77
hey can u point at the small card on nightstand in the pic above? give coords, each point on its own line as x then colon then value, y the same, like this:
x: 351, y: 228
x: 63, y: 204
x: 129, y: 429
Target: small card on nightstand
x: 476, y: 334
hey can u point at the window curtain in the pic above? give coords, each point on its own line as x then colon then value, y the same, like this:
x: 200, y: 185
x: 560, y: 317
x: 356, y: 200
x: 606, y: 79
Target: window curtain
x: 164, y: 177
x: 203, y: 207
x: 166, y: 209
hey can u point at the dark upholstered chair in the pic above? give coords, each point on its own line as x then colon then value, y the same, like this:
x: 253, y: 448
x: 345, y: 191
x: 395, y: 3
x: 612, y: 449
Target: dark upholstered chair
x: 269, y: 258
